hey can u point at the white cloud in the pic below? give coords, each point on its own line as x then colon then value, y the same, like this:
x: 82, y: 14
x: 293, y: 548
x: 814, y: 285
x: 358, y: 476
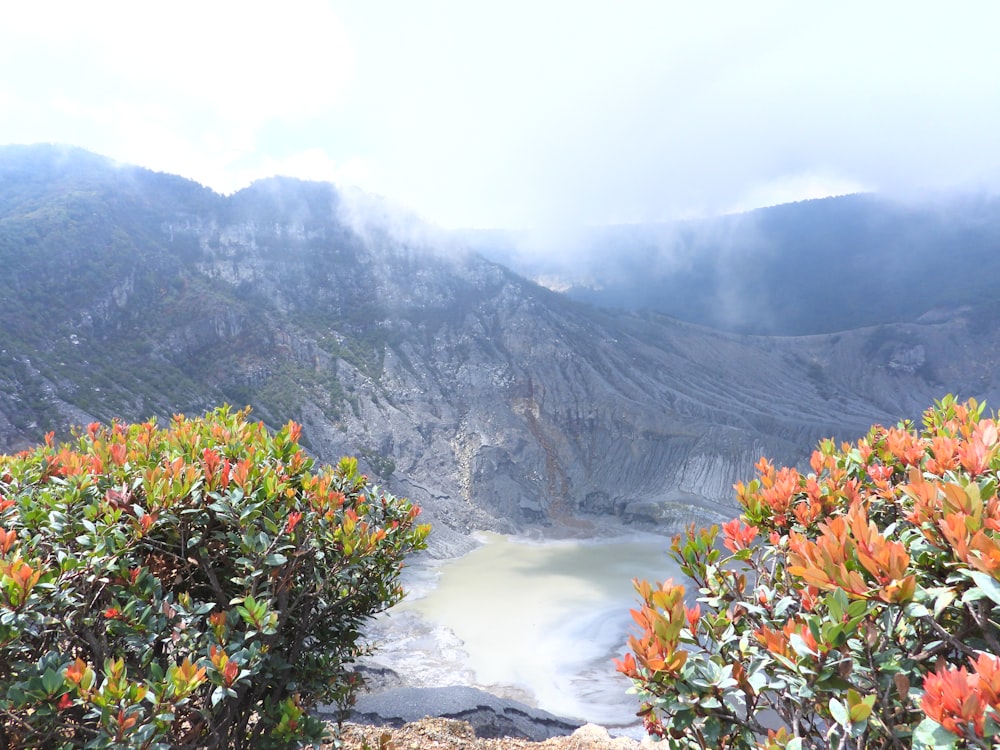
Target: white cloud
x: 187, y: 87
x: 313, y: 164
x: 797, y: 187
x: 226, y: 66
x: 239, y: 59
x: 144, y: 133
x: 520, y: 114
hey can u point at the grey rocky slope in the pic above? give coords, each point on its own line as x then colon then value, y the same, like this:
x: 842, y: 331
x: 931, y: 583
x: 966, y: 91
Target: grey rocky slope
x: 493, y: 402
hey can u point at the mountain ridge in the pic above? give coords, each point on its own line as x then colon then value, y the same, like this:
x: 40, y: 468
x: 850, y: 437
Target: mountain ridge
x: 814, y: 266
x: 491, y: 401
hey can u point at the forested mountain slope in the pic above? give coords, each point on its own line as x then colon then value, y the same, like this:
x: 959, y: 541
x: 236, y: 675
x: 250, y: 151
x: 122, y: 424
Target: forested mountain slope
x: 492, y: 401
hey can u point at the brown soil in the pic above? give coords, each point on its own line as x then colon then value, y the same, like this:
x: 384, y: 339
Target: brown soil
x: 449, y: 734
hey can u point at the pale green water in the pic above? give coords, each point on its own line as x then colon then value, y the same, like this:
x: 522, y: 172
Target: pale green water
x: 548, y: 617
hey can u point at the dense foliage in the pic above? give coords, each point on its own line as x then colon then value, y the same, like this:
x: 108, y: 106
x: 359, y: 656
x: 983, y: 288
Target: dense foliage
x: 194, y: 586
x: 856, y: 606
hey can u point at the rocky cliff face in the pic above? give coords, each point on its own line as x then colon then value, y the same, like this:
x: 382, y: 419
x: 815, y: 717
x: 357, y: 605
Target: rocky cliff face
x: 492, y: 401
x: 499, y: 402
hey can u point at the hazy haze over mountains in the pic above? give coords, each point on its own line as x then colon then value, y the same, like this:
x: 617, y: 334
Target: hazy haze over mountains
x: 494, y: 402
x: 521, y: 114
x: 816, y: 266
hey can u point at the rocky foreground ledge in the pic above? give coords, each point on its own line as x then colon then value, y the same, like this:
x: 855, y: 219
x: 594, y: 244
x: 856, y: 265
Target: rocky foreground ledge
x: 465, y: 718
x: 487, y: 714
x: 451, y: 734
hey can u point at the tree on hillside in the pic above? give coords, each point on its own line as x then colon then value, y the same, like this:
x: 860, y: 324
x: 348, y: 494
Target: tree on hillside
x: 856, y: 606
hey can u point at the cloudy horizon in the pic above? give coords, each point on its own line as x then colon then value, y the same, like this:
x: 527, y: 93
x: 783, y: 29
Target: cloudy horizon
x: 521, y: 115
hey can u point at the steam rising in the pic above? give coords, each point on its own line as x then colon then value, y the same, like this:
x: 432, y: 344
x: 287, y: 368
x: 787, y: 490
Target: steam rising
x: 795, y: 269
x: 379, y: 221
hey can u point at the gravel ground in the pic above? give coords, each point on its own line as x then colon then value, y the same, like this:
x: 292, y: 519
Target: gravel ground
x: 451, y: 734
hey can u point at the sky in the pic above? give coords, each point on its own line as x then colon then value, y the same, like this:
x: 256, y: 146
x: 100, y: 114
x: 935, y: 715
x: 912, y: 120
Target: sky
x: 521, y: 114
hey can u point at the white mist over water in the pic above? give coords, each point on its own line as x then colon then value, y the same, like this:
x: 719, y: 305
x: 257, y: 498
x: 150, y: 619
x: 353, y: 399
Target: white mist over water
x: 542, y: 617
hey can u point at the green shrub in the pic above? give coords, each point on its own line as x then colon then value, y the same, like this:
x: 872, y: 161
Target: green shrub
x: 857, y: 606
x: 196, y: 586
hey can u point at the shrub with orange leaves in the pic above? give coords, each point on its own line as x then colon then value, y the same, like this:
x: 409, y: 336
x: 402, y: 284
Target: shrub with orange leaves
x: 196, y: 586
x: 857, y: 606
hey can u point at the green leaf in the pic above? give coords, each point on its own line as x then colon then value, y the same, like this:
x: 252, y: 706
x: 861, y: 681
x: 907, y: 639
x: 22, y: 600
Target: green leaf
x: 143, y: 734
x: 857, y: 608
x: 837, y: 604
x: 839, y: 713
x: 798, y: 644
x: 712, y: 672
x: 833, y: 634
x: 989, y: 585
x: 973, y: 595
x: 833, y: 682
x: 758, y: 680
x: 946, y: 597
x: 783, y: 604
x: 930, y: 734
x: 860, y: 708
x: 52, y: 681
